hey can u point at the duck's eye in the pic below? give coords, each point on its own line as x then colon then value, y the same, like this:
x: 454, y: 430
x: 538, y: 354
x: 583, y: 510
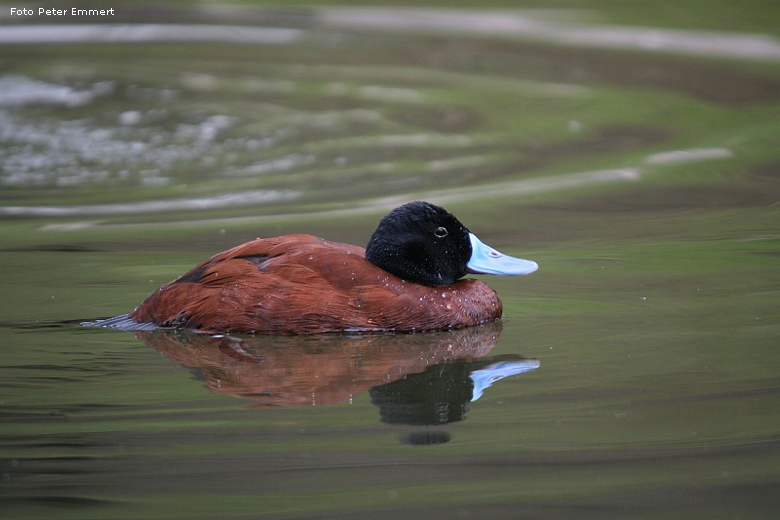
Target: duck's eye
x: 441, y: 232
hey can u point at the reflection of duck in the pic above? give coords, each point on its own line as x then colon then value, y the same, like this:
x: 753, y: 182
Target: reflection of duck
x: 406, y: 280
x: 323, y: 369
x: 442, y: 392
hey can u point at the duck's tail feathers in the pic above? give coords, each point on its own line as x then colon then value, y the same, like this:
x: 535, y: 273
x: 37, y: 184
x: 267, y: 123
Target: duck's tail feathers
x: 123, y: 322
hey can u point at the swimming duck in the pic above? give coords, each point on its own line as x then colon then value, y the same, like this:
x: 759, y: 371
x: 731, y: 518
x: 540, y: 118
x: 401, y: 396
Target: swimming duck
x: 405, y: 280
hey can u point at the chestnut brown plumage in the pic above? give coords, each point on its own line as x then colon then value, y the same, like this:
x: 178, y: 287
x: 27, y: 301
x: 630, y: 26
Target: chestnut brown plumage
x: 301, y: 284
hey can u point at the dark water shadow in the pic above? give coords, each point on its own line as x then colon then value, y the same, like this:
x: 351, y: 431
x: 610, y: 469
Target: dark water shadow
x: 417, y: 379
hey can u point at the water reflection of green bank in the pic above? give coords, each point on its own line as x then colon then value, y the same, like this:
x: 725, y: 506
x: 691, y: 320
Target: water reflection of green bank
x: 654, y: 312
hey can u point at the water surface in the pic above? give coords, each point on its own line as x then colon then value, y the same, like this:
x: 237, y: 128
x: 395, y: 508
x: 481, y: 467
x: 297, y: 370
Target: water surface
x: 633, y: 376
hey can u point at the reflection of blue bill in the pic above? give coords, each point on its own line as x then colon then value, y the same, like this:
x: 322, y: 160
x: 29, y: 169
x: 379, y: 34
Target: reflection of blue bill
x: 485, y: 377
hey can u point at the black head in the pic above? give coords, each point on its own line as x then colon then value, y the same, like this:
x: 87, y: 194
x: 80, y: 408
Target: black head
x: 421, y: 243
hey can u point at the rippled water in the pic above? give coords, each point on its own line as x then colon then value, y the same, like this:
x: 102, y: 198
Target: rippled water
x: 634, y: 375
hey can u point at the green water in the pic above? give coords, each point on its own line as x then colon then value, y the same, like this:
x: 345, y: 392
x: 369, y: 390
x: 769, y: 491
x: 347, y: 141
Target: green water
x: 644, y: 183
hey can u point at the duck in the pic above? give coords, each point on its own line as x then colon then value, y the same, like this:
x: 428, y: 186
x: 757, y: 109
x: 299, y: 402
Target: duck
x: 409, y: 278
